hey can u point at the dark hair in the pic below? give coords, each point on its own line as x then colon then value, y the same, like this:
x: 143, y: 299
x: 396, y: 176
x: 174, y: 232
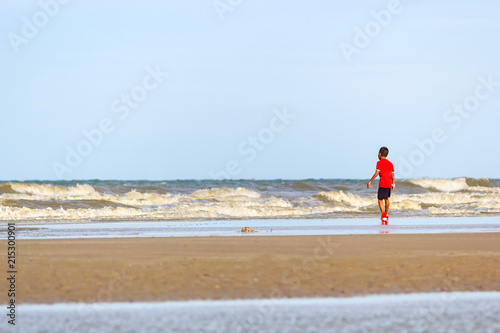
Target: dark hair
x: 384, y: 151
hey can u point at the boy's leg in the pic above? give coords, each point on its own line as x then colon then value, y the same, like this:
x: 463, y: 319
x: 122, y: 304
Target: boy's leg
x: 381, y: 205
x: 387, y: 203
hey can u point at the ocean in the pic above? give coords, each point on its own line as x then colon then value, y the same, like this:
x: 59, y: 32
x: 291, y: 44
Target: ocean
x: 205, y: 200
x: 193, y: 208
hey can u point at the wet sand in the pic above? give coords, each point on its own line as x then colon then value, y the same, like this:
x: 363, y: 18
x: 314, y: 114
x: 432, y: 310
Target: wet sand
x: 161, y: 269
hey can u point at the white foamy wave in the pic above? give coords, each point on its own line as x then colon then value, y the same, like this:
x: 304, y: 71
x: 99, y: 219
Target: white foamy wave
x: 442, y: 185
x: 53, y: 191
x: 224, y: 194
x: 352, y: 202
x: 195, y: 210
x: 480, y: 189
x: 348, y: 199
x: 470, y: 198
x: 54, y: 202
x: 403, y: 202
x: 86, y: 192
x: 49, y: 214
x: 137, y: 199
x: 458, y: 211
x: 412, y: 202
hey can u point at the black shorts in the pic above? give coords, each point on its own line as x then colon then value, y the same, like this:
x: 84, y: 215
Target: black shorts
x: 384, y: 193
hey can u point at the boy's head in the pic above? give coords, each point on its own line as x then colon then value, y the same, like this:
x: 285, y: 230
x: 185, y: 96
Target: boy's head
x: 383, y: 152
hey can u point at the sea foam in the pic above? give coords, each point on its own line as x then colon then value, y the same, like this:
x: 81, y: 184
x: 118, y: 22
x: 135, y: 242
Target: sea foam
x: 188, y: 200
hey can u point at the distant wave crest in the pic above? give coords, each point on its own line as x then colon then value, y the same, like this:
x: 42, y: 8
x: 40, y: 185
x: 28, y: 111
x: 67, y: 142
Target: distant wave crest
x: 450, y: 185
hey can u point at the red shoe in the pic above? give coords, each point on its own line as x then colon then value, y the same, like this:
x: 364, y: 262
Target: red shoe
x: 385, y: 218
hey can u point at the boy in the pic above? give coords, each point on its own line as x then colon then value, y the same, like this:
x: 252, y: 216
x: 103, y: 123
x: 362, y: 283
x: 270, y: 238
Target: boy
x: 387, y: 182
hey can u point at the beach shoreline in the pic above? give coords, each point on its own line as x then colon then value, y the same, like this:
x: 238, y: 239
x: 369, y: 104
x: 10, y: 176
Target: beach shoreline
x: 201, y: 268
x: 263, y: 227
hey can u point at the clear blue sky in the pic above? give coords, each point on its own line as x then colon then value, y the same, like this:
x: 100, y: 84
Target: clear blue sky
x: 230, y: 73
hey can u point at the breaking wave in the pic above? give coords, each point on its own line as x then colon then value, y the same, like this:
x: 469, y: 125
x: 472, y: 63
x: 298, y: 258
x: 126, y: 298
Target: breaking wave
x: 47, y: 190
x: 451, y: 185
x: 196, y: 200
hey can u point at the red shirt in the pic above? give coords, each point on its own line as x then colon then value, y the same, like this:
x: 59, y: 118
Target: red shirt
x: 386, y: 169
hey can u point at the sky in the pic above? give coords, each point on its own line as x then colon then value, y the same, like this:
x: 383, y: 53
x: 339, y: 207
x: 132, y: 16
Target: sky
x: 248, y: 89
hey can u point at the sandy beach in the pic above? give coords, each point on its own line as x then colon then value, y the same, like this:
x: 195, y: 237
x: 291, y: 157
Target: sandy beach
x: 162, y: 269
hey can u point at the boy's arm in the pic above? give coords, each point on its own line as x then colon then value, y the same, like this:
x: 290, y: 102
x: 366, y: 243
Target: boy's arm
x: 369, y: 184
x: 393, y: 181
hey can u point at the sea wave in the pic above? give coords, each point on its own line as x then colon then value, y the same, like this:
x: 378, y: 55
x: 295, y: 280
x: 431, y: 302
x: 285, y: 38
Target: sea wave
x: 346, y: 199
x: 451, y: 185
x: 442, y: 185
x: 47, y: 190
x: 101, y: 201
x: 225, y: 194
